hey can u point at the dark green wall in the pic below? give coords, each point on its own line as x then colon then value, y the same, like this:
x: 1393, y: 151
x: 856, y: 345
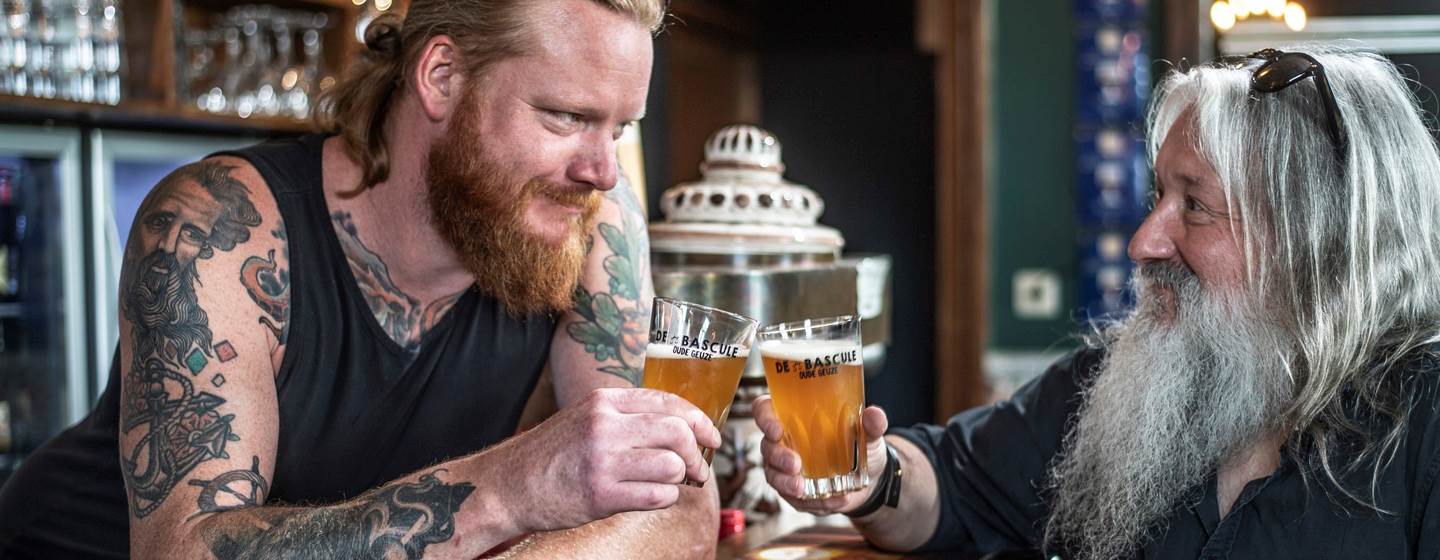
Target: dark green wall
x: 1031, y: 168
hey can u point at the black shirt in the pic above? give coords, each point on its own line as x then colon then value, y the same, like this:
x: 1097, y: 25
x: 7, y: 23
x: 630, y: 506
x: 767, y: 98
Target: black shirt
x: 990, y: 464
x: 356, y: 410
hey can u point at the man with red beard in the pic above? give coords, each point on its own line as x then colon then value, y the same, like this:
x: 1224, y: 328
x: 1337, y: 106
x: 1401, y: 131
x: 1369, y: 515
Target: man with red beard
x: 1274, y: 392
x: 328, y: 343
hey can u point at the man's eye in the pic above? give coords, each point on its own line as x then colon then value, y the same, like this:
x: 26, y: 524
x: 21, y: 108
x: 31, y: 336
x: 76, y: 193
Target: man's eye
x: 622, y: 129
x: 158, y: 222
x: 1194, y: 205
x: 564, y: 118
x: 193, y: 235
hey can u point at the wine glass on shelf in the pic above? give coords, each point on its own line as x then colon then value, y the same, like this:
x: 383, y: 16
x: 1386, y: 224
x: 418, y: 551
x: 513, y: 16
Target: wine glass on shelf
x: 40, y: 37
x: 106, y: 45
x: 238, y: 75
x: 194, y: 79
x: 311, y: 39
x: 82, y: 52
x: 292, y: 98
x: 217, y: 95
x: 267, y: 75
x: 14, y: 47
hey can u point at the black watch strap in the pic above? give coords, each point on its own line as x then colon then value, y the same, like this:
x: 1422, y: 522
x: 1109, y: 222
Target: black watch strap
x: 887, y: 486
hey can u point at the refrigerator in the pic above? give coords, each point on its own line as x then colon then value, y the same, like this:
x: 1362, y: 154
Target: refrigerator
x: 68, y: 195
x: 43, y: 328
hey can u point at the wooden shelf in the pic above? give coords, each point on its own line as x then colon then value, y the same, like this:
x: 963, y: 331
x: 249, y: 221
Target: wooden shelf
x: 151, y: 97
x: 141, y: 114
x: 222, y: 5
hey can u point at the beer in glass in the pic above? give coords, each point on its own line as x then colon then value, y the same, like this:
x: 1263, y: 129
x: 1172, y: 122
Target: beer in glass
x: 817, y: 383
x: 698, y: 353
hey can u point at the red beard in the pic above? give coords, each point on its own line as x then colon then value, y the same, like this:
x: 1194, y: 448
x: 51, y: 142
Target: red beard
x: 481, y: 214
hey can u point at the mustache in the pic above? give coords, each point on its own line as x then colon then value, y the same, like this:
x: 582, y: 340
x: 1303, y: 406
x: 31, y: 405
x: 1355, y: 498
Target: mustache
x: 579, y: 197
x: 164, y: 290
x: 1162, y: 288
x: 1172, y: 276
x: 158, y: 259
x: 160, y: 274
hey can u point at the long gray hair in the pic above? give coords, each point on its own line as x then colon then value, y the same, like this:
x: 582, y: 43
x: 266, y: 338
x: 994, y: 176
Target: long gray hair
x: 1349, y: 253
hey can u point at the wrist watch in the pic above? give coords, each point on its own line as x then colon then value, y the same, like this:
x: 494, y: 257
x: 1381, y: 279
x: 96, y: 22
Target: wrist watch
x: 887, y: 486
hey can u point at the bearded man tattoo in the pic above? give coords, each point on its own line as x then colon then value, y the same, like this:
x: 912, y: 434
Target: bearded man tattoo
x: 194, y: 211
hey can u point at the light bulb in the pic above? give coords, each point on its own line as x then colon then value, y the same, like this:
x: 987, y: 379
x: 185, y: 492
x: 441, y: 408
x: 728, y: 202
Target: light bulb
x: 1222, y: 14
x: 1295, y: 16
x: 1276, y: 8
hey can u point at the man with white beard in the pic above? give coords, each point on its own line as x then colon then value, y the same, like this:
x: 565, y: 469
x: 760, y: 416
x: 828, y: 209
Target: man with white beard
x: 1272, y: 394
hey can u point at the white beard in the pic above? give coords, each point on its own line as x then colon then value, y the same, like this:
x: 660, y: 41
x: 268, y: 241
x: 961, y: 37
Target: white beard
x: 1188, y: 380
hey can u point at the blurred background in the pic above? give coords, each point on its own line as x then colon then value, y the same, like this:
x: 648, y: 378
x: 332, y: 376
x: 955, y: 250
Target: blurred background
x: 983, y: 160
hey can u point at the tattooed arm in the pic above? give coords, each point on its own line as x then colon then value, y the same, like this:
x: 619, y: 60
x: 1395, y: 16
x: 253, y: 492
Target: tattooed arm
x: 602, y: 344
x: 198, y: 413
x: 197, y: 392
x: 199, y: 416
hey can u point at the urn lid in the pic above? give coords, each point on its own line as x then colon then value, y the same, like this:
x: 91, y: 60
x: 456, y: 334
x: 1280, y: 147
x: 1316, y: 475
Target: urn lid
x: 742, y: 203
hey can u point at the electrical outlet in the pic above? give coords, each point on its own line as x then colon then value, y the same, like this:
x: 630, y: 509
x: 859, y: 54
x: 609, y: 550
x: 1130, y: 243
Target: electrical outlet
x: 1036, y: 294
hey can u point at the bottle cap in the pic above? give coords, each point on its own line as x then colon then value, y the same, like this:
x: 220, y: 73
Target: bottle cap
x: 732, y: 522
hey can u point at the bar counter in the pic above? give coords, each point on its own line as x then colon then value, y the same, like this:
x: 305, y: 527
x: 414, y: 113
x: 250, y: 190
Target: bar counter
x: 773, y: 539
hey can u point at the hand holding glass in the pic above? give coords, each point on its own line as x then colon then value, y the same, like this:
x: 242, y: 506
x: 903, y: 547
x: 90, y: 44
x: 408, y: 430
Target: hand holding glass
x: 817, y: 383
x: 698, y: 353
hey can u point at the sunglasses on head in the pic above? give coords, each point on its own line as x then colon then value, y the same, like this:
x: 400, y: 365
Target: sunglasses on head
x: 1279, y: 70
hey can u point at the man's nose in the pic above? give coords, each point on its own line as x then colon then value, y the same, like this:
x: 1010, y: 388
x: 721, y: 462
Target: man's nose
x: 595, y: 165
x: 1155, y: 240
x: 170, y: 242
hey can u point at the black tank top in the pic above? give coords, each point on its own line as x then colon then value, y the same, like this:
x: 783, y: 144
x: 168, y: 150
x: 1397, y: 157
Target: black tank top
x: 355, y: 409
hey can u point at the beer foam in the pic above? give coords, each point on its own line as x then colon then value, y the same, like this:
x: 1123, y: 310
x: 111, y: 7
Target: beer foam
x: 669, y: 352
x: 801, y: 350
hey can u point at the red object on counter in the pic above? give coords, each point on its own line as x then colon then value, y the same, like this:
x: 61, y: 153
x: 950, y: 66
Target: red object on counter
x: 732, y: 522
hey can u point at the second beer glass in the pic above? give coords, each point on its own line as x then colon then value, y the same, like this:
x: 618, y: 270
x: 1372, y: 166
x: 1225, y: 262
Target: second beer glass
x: 817, y: 381
x: 698, y: 353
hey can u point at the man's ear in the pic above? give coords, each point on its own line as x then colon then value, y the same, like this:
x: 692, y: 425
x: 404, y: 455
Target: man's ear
x: 437, y: 78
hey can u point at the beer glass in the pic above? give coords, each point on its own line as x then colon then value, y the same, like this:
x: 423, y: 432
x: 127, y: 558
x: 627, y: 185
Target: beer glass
x: 698, y: 353
x: 817, y: 383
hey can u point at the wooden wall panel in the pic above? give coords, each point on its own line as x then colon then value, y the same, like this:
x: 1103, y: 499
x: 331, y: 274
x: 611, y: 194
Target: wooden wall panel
x: 954, y: 29
x: 714, y: 80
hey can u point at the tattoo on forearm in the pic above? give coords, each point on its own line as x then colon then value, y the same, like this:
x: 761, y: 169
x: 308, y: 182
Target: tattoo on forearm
x: 195, y: 211
x: 615, y: 328
x: 400, y: 315
x: 397, y: 521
